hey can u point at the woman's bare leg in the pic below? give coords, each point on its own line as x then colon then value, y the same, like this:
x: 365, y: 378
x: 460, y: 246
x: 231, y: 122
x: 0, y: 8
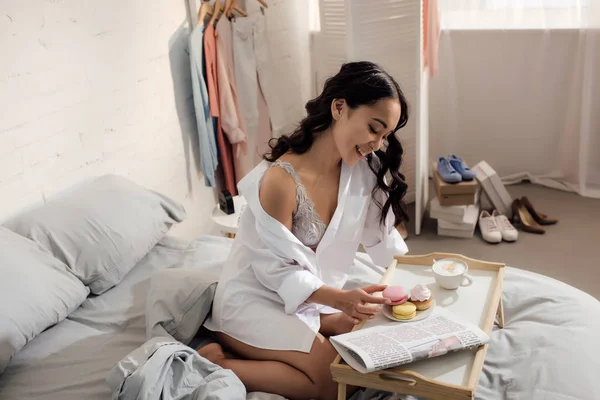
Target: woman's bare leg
x: 254, y: 373
x: 335, y: 324
x: 291, y: 374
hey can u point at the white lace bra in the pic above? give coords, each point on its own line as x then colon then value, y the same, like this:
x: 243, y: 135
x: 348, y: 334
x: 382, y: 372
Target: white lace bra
x: 306, y: 223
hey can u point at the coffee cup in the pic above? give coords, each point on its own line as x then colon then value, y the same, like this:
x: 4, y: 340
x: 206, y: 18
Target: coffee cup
x: 451, y: 273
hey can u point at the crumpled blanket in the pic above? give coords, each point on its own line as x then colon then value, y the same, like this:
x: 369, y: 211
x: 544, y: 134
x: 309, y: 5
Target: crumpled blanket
x: 165, y: 369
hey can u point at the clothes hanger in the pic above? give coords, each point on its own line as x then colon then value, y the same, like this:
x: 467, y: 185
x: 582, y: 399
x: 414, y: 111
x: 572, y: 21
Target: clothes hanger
x: 205, y: 9
x: 240, y: 11
x: 229, y: 4
x: 216, y: 10
x: 232, y: 5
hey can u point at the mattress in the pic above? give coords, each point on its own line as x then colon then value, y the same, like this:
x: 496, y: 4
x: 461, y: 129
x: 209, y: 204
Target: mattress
x: 71, y: 359
x: 547, y: 350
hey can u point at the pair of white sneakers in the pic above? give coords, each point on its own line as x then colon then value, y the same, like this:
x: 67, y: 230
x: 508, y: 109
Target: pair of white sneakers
x: 496, y: 227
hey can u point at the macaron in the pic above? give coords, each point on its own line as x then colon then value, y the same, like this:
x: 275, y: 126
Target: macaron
x: 404, y: 311
x: 421, y: 297
x: 396, y: 294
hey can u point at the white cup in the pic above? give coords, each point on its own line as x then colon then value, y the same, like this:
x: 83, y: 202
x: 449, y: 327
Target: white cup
x: 451, y: 273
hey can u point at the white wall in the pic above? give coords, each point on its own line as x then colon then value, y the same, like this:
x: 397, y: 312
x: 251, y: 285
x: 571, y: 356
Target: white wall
x: 501, y: 96
x: 95, y: 87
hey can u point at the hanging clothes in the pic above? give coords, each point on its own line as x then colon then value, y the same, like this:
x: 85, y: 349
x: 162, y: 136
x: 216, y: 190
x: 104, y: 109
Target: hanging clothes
x: 264, y: 125
x: 228, y: 99
x: 431, y: 35
x: 252, y: 71
x: 209, y: 158
x: 231, y: 119
x: 225, y: 152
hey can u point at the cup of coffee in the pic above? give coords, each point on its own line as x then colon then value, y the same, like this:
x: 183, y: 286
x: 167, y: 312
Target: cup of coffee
x: 450, y: 273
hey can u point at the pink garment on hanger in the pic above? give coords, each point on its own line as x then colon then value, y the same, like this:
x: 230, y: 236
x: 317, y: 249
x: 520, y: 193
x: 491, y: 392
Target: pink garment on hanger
x: 250, y: 158
x: 431, y: 35
x: 225, y: 153
x: 228, y: 102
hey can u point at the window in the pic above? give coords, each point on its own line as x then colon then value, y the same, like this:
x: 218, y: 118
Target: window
x: 532, y: 4
x: 314, y: 16
x: 513, y: 14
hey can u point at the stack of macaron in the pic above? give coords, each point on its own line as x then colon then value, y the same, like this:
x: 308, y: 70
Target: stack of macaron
x: 403, y: 309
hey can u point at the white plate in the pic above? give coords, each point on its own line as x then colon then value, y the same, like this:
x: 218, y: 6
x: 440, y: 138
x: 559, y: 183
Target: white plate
x: 387, y: 311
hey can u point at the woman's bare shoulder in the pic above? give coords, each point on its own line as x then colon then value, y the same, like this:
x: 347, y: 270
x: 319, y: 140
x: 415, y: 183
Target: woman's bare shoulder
x: 278, y: 195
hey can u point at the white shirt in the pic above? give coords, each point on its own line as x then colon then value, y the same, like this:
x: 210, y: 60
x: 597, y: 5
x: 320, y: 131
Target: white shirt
x: 261, y: 296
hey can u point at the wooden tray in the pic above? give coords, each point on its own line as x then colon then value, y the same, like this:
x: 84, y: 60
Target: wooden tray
x: 452, y: 376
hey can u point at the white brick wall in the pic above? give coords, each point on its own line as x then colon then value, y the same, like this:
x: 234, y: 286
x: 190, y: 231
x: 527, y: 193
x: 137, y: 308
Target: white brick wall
x: 95, y: 87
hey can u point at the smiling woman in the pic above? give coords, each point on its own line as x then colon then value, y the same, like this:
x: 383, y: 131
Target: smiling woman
x: 319, y: 193
x: 360, y: 108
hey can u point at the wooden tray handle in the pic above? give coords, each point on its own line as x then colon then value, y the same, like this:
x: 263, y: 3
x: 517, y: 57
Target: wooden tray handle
x: 401, y: 375
x: 388, y: 376
x: 413, y: 379
x: 428, y: 259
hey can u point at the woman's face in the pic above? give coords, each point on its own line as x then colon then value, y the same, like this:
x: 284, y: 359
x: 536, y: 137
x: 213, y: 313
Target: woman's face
x: 363, y: 130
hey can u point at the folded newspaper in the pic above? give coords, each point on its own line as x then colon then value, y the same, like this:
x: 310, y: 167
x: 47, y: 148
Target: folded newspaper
x: 387, y: 346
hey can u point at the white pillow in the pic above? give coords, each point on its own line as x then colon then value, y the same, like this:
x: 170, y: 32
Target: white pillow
x: 101, y: 229
x: 36, y: 291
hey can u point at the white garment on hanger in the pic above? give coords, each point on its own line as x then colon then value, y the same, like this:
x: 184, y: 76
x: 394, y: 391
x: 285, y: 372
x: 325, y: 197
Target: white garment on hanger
x: 253, y: 71
x: 262, y: 292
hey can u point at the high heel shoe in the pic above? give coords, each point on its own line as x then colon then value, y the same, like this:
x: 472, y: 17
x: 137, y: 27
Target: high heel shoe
x: 540, y: 218
x: 522, y: 217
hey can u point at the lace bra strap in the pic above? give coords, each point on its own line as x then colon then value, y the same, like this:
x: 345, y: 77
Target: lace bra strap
x: 289, y: 169
x: 301, y: 194
x: 309, y: 222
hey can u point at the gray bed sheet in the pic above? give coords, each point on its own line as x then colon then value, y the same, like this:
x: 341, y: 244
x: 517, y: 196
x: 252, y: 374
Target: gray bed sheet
x: 71, y: 360
x: 549, y: 348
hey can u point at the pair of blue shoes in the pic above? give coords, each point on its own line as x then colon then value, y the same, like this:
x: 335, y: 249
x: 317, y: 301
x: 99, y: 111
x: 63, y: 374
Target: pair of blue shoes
x: 454, y: 170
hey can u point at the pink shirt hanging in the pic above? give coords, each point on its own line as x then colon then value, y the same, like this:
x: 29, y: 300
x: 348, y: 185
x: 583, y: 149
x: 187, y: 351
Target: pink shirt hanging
x: 431, y: 35
x: 225, y: 153
x: 228, y: 101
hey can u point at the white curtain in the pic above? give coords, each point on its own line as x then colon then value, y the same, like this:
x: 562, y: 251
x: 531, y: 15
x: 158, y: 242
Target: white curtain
x: 519, y: 87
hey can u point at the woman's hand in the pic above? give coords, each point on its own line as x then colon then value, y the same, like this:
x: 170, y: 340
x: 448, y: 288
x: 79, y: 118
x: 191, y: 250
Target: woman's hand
x: 360, y: 304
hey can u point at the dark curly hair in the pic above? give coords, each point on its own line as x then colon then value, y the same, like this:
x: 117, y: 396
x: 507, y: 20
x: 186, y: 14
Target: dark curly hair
x: 359, y: 84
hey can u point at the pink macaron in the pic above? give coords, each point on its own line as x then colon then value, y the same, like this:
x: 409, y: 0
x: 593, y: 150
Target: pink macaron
x: 396, y: 294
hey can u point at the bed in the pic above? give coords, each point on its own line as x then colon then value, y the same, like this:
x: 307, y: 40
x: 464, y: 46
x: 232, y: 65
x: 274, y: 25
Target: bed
x: 549, y: 348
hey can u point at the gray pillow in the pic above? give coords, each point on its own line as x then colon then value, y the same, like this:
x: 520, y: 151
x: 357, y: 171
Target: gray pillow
x: 101, y: 229
x: 36, y: 291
